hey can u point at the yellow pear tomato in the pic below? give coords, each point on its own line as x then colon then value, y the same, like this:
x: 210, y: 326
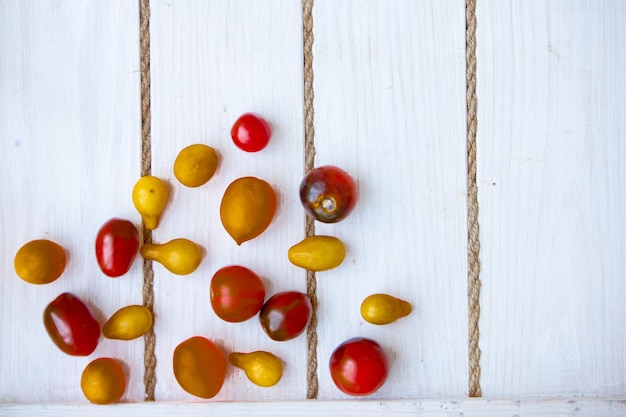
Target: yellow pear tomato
x: 317, y: 253
x: 384, y: 309
x: 128, y: 323
x: 150, y: 196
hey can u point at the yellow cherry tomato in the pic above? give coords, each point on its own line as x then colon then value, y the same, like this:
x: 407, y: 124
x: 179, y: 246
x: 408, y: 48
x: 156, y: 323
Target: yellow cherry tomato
x: 179, y: 256
x: 150, y: 196
x: 195, y: 165
x: 103, y: 381
x: 128, y: 323
x: 262, y: 368
x: 40, y: 261
x: 247, y: 208
x: 317, y: 253
x: 384, y: 309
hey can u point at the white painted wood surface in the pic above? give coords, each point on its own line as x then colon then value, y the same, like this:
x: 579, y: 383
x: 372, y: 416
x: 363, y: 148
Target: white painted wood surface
x: 390, y: 109
x: 552, y: 183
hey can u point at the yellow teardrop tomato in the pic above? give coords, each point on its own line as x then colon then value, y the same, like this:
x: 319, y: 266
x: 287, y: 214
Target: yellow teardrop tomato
x: 40, y: 261
x: 179, y: 256
x: 317, y: 253
x: 128, y: 323
x: 103, y: 381
x: 195, y: 165
x: 262, y: 368
x: 150, y: 196
x: 384, y: 309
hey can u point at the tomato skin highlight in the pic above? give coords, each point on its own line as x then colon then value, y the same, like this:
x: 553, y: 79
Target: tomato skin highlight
x: 359, y: 366
x: 251, y: 132
x: 285, y: 315
x: 237, y: 293
x: 199, y: 367
x: 328, y: 194
x: 71, y: 326
x: 117, y: 243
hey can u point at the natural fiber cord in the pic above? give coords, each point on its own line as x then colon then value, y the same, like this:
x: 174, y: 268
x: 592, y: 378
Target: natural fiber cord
x: 149, y: 376
x: 473, y: 242
x: 309, y: 157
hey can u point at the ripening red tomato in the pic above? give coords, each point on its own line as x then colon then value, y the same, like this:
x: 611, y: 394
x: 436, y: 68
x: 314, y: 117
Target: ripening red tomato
x: 251, y: 132
x: 359, y: 366
x: 117, y: 243
x: 328, y: 194
x: 71, y: 326
x: 237, y: 293
x: 285, y: 315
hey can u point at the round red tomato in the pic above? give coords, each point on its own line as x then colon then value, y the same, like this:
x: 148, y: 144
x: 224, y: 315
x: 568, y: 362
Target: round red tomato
x: 285, y: 315
x: 251, y: 132
x: 328, y: 194
x: 117, y: 243
x: 237, y: 293
x: 359, y: 366
x: 71, y: 326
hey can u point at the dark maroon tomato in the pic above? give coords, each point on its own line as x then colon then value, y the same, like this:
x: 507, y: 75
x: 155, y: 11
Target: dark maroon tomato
x: 359, y: 366
x: 285, y: 315
x: 328, y: 194
x: 117, y: 243
x: 237, y: 293
x: 251, y: 132
x: 71, y: 326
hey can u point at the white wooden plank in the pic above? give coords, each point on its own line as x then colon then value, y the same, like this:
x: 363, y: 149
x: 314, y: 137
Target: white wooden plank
x: 69, y: 131
x: 598, y: 407
x: 390, y: 109
x: 211, y: 62
x: 552, y: 190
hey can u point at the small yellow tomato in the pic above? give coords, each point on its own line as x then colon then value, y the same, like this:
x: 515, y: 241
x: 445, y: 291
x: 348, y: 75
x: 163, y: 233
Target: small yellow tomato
x: 384, y: 309
x: 128, y: 323
x: 195, y: 165
x: 317, y: 253
x: 103, y: 381
x: 179, y: 256
x: 150, y: 196
x: 262, y: 368
x: 40, y: 261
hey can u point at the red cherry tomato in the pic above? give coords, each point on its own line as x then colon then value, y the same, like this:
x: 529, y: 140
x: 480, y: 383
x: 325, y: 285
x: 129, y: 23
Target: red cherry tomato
x: 285, y: 315
x: 328, y: 194
x: 117, y: 243
x: 71, y: 326
x: 359, y: 366
x: 237, y: 293
x: 251, y: 132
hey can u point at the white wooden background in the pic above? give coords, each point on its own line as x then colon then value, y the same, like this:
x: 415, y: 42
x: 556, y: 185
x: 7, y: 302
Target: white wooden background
x: 389, y: 108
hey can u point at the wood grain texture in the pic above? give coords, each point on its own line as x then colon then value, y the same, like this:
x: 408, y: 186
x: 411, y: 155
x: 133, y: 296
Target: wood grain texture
x: 390, y: 110
x: 552, y: 178
x: 69, y: 132
x: 211, y: 62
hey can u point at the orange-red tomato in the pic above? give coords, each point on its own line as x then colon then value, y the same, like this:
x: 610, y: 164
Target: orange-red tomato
x: 71, y: 326
x: 237, y: 293
x: 199, y: 367
x: 328, y: 194
x: 285, y: 315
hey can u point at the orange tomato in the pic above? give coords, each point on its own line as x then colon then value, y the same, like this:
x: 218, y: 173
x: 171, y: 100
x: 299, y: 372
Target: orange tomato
x: 103, y: 381
x: 199, y: 367
x: 40, y: 261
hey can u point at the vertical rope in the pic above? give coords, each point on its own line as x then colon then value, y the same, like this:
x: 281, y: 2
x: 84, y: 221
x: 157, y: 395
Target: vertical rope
x: 309, y: 158
x: 473, y: 241
x: 149, y: 376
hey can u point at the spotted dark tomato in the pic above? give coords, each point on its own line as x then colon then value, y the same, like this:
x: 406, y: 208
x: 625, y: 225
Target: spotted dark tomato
x: 285, y: 315
x: 359, y: 366
x: 251, y: 132
x: 71, y: 326
x: 237, y: 293
x: 117, y: 243
x: 328, y: 194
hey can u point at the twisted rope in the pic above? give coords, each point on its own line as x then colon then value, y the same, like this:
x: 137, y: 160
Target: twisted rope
x: 309, y: 157
x: 473, y: 241
x: 149, y: 359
